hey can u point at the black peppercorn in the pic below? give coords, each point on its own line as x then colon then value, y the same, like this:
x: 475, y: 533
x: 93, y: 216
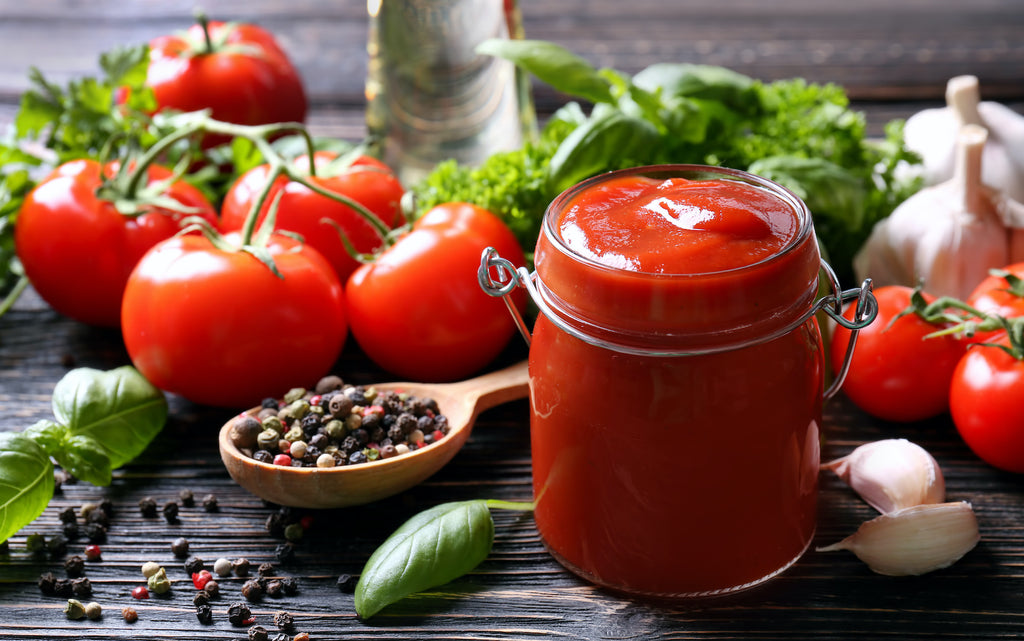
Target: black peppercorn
x: 98, y: 515
x: 355, y: 458
x: 263, y: 456
x: 275, y: 588
x: 258, y: 633
x: 210, y: 503
x: 179, y: 547
x: 204, y: 613
x: 171, y: 511
x: 187, y: 498
x: 95, y: 532
x: 240, y: 567
x: 239, y: 613
x: 285, y: 553
x: 57, y: 545
x: 81, y: 587
x: 107, y: 506
x: 202, y: 597
x: 47, y: 583
x: 265, y: 570
x: 148, y: 507
x: 212, y: 588
x: 289, y: 585
x: 67, y: 515
x: 71, y: 531
x: 346, y: 583
x: 284, y: 620
x: 194, y: 565
x: 252, y: 590
x: 74, y: 566
x: 275, y: 524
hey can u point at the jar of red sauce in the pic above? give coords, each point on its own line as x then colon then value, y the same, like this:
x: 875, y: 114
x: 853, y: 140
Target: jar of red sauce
x: 677, y: 379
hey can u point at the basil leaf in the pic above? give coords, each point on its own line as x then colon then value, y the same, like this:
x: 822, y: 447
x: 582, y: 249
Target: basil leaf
x: 118, y: 410
x: 554, y: 65
x: 26, y: 482
x: 828, y: 190
x: 430, y: 549
x: 610, y: 139
x: 706, y: 82
x: 47, y: 435
x: 86, y: 459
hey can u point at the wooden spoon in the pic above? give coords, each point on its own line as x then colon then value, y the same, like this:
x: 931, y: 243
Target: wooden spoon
x: 313, y: 487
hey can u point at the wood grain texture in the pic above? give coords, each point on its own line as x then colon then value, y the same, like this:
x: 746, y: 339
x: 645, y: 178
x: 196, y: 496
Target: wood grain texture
x: 893, y: 58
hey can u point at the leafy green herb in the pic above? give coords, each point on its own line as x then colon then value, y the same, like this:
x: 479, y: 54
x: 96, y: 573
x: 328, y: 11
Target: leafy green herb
x: 803, y: 135
x: 430, y: 549
x: 26, y: 482
x: 104, y: 419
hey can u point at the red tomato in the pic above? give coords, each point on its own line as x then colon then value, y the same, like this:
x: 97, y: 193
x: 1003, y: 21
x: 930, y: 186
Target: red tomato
x: 78, y: 250
x: 896, y: 374
x: 244, y: 78
x: 985, y: 403
x: 301, y: 210
x: 419, y: 312
x: 995, y: 295
x: 219, y: 328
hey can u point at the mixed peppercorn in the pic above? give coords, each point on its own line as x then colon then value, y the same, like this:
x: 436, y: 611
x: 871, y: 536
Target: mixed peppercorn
x: 336, y: 425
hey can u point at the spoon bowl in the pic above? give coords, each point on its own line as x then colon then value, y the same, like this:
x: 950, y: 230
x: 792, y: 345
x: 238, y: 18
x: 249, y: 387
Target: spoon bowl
x: 314, y: 487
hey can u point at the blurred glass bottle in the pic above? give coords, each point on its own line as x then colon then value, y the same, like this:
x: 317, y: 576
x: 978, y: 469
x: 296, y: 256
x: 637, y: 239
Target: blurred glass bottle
x: 430, y: 96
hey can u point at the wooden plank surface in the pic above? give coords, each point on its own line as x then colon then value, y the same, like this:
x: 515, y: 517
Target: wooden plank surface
x: 893, y: 58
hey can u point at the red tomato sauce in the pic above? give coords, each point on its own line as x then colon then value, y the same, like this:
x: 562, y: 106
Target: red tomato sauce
x: 684, y: 474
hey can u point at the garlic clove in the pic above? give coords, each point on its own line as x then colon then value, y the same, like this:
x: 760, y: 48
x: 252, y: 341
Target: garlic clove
x: 891, y: 474
x: 914, y: 540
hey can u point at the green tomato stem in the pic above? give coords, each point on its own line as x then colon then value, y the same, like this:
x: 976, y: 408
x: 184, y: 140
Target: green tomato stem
x: 519, y: 506
x: 12, y: 296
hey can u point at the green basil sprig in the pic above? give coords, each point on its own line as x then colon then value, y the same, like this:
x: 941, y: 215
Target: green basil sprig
x: 430, y: 549
x: 104, y: 419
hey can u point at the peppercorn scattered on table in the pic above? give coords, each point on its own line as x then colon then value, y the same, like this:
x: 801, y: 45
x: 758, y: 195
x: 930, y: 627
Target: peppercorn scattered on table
x: 173, y: 548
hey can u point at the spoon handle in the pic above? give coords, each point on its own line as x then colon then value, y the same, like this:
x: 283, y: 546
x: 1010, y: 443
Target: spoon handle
x: 495, y: 388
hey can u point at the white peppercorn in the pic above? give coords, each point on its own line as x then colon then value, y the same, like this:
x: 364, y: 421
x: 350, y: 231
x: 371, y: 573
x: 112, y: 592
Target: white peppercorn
x: 222, y: 567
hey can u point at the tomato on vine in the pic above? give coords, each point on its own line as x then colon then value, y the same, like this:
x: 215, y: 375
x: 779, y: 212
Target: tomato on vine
x: 418, y: 310
x: 985, y: 399
x: 81, y: 231
x: 896, y: 373
x: 999, y: 294
x: 237, y: 71
x: 314, y: 215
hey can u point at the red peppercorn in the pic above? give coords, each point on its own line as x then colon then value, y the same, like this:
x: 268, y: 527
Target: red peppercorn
x: 93, y: 552
x: 374, y: 409
x: 438, y: 435
x: 306, y: 522
x: 201, y: 578
x: 140, y: 592
x: 283, y: 459
x: 315, y: 400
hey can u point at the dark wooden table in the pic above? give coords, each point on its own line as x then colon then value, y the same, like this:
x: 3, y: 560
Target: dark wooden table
x: 892, y: 57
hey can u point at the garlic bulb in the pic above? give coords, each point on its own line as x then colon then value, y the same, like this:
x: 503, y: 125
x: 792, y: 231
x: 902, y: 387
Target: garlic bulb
x: 932, y: 133
x: 891, y: 474
x: 914, y: 540
x: 948, y: 235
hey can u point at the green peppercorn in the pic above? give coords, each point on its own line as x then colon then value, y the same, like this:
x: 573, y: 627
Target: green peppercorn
x: 294, y: 433
x: 294, y: 394
x: 294, y: 532
x: 335, y: 429
x: 159, y: 583
x: 93, y: 611
x: 267, y: 440
x: 273, y: 423
x: 74, y: 610
x: 36, y: 544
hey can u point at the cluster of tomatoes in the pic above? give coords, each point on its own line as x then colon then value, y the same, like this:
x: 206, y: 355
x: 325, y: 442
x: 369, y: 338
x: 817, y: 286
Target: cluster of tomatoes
x: 206, y: 318
x: 908, y: 366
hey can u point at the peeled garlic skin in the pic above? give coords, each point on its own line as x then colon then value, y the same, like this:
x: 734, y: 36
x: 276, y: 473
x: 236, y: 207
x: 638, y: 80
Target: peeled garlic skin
x: 914, y: 540
x: 891, y: 474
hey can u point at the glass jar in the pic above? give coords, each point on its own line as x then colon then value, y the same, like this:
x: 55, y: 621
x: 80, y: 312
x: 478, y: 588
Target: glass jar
x: 677, y: 380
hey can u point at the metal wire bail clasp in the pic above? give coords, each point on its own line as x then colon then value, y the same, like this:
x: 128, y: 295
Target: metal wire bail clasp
x: 863, y: 315
x: 499, y: 277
